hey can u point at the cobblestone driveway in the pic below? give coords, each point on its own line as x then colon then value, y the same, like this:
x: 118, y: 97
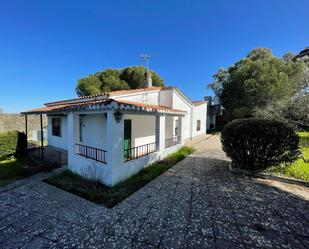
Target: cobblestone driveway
x: 196, y: 204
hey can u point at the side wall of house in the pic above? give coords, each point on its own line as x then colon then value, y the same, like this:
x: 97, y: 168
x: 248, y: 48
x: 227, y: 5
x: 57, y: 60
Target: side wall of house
x: 166, y: 98
x: 150, y: 98
x: 181, y: 104
x: 59, y: 142
x: 199, y: 113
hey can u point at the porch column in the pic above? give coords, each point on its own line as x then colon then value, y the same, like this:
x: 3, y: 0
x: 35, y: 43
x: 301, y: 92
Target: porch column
x: 181, y: 128
x: 160, y: 132
x: 73, y: 134
x: 115, y: 146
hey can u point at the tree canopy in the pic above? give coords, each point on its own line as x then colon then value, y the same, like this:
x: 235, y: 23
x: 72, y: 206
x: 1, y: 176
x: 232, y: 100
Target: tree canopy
x: 115, y: 79
x: 258, y: 81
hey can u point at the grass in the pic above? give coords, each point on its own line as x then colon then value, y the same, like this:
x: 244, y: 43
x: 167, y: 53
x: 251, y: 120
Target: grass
x: 300, y: 168
x: 109, y: 197
x: 13, y: 169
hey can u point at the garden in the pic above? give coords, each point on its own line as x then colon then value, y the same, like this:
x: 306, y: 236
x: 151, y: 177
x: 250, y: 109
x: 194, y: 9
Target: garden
x: 267, y: 147
x: 110, y: 196
x: 298, y: 169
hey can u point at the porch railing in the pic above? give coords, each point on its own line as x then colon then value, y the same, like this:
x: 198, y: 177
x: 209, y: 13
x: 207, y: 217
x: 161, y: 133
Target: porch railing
x: 139, y: 151
x: 96, y: 154
x: 172, y: 141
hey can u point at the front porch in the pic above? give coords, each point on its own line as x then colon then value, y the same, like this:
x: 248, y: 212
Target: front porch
x: 112, y: 146
x: 109, y: 140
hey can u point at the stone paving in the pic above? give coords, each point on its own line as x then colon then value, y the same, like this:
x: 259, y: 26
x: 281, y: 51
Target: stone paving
x: 196, y: 204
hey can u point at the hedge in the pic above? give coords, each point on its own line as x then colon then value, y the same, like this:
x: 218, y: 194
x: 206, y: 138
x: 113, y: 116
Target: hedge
x: 256, y: 144
x: 12, y: 143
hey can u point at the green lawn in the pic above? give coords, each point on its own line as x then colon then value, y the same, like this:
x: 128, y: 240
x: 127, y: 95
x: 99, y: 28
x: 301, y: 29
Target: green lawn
x: 300, y: 168
x: 12, y: 169
x: 109, y: 197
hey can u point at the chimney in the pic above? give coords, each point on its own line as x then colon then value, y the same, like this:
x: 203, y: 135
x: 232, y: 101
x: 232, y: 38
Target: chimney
x: 148, y: 79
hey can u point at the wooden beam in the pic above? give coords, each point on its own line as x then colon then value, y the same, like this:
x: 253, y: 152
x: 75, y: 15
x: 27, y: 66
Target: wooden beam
x: 42, y: 137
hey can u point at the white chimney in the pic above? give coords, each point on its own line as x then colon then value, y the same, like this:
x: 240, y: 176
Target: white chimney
x: 148, y: 79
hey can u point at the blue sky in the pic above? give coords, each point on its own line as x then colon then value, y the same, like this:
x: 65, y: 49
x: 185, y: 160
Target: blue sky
x: 46, y: 46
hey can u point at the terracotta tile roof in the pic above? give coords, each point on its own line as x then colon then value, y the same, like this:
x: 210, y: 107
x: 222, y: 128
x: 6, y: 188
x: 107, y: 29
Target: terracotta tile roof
x: 101, y: 105
x: 112, y: 93
x: 199, y: 102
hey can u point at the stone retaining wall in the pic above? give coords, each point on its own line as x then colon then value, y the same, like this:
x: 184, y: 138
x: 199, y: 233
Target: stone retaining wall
x: 11, y: 122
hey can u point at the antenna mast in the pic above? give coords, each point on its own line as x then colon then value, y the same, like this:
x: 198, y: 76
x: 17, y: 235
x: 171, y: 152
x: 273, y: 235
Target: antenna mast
x: 145, y: 61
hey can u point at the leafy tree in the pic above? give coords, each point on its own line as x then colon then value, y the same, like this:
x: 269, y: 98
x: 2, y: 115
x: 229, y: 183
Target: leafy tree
x: 88, y: 86
x: 257, y: 81
x: 289, y: 56
x: 115, y: 79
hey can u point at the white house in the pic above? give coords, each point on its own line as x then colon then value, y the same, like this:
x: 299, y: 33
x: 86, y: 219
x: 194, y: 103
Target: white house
x: 112, y: 136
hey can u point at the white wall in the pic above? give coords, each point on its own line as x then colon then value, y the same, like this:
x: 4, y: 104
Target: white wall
x: 181, y: 104
x: 166, y: 98
x: 169, y: 126
x: 130, y: 168
x: 82, y: 165
x: 199, y: 113
x: 94, y: 130
x: 60, y: 142
x: 143, y: 129
x: 150, y: 98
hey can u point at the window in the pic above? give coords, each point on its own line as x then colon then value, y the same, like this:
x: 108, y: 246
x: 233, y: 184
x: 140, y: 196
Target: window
x: 198, y: 125
x: 56, y: 127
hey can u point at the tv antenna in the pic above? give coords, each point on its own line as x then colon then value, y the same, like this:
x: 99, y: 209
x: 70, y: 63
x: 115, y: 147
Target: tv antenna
x: 145, y: 60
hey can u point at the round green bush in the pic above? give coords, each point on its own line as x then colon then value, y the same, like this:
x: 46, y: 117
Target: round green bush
x: 256, y: 144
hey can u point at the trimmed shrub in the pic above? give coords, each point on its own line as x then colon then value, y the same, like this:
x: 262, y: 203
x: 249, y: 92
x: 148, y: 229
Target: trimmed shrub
x: 21, y: 146
x: 256, y: 144
x: 12, y: 143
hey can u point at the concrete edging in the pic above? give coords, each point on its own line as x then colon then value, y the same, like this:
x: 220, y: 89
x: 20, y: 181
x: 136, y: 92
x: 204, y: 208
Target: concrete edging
x: 267, y: 176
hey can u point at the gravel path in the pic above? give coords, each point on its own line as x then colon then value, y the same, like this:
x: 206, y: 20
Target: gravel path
x: 196, y: 204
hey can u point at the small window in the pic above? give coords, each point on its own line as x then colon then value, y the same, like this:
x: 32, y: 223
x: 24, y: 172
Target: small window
x: 56, y: 127
x: 198, y: 125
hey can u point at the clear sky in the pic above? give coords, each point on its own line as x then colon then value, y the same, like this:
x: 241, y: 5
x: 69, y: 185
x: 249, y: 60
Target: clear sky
x: 46, y: 46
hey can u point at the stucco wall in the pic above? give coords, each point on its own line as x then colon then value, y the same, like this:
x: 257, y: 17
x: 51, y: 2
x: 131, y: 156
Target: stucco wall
x: 199, y: 113
x: 94, y: 130
x: 179, y: 103
x: 60, y: 142
x: 169, y: 126
x: 132, y: 167
x: 16, y: 122
x: 166, y: 98
x: 82, y: 165
x: 151, y: 98
x: 143, y: 129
